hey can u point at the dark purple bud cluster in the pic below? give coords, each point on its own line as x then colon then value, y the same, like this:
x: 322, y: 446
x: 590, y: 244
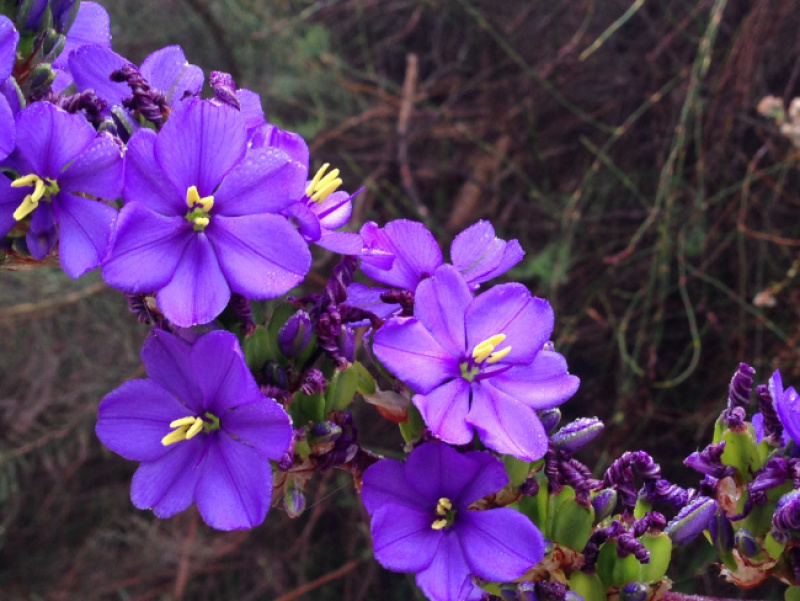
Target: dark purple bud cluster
x: 224, y: 89
x: 86, y: 102
x: 149, y: 103
x: 562, y: 469
x: 786, y: 517
x: 404, y: 298
x: 627, y: 543
x: 314, y: 382
x: 622, y: 475
x: 241, y: 308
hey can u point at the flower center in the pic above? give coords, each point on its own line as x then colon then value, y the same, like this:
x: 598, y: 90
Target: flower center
x: 484, y: 354
x: 42, y: 189
x: 323, y: 185
x: 199, y: 208
x: 447, y: 514
x: 189, y: 427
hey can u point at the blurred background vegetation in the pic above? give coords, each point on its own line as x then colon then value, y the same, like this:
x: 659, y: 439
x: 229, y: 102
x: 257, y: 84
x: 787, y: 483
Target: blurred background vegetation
x: 618, y: 140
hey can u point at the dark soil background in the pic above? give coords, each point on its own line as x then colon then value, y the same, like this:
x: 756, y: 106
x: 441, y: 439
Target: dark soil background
x: 618, y: 140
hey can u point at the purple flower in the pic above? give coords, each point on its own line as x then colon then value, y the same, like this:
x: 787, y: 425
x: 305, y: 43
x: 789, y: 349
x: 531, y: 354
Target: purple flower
x: 201, y: 428
x: 476, y: 252
x: 90, y: 27
x: 787, y: 404
x: 200, y: 217
x: 421, y: 522
x: 61, y: 160
x: 8, y: 47
x: 478, y: 363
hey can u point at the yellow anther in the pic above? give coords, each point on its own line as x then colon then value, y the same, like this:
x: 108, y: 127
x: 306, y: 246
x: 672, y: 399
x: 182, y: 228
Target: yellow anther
x: 185, y: 428
x: 31, y: 201
x: 201, y: 222
x: 486, y: 348
x: 496, y: 356
x: 27, y: 207
x: 193, y: 199
x: 444, y: 506
x: 323, y: 185
x: 439, y: 524
x: 25, y: 180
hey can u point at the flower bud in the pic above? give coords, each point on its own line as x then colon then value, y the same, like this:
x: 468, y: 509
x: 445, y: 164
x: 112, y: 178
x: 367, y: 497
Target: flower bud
x: 721, y: 531
x: 294, y: 500
x: 295, y: 334
x: 634, y: 591
x: 550, y: 419
x: 577, y: 434
x: 526, y: 591
x: 604, y: 503
x: 747, y: 544
x: 691, y: 520
x: 787, y: 516
x: 324, y: 432
x: 508, y: 592
x: 52, y: 44
x: 40, y: 78
x: 573, y: 596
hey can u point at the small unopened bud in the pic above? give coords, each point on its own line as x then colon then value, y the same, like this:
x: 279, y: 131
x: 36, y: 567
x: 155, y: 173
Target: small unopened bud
x: 293, y: 499
x: 550, y: 419
x: 577, y: 434
x: 691, y: 520
x: 274, y: 375
x: 526, y: 591
x: 40, y: 78
x: 325, y: 432
x: 295, y: 335
x: 721, y: 531
x: 52, y: 44
x: 747, y: 544
x: 604, y: 503
x: 634, y: 591
x: 508, y: 592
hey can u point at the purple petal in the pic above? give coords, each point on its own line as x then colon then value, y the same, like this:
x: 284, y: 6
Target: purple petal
x: 266, y: 181
x: 445, y: 411
x: 168, y: 71
x: 447, y: 578
x: 334, y: 211
x: 41, y: 237
x: 499, y: 544
x: 787, y: 403
x: 251, y: 108
x: 344, y: 243
x: 234, y: 491
x: 91, y: 68
x: 96, y: 171
x: 91, y: 26
x: 412, y: 354
x: 289, y: 142
x: 132, y: 420
x: 417, y: 255
x: 304, y: 219
x: 8, y: 130
x: 48, y: 137
x: 8, y: 47
x: 542, y: 384
x: 198, y: 291
x: 402, y: 538
x: 199, y: 145
x: 480, y: 256
x: 262, y: 425
x: 166, y: 359
x: 84, y: 229
x: 145, y: 249
x: 509, y: 309
x: 167, y: 485
x: 440, y: 304
x: 221, y: 374
x: 10, y: 199
x: 385, y: 482
x: 369, y: 299
x: 262, y: 256
x: 145, y: 181
x: 436, y: 470
x: 505, y: 425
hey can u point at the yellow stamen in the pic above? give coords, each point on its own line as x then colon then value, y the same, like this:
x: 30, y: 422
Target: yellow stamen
x: 444, y: 506
x: 31, y: 201
x: 439, y: 524
x: 323, y: 185
x: 496, y: 356
x: 486, y: 348
x: 185, y: 428
x: 193, y: 199
x: 201, y: 222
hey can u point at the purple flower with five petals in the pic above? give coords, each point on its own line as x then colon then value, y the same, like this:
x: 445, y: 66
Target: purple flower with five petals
x: 478, y: 363
x: 421, y: 522
x: 201, y: 428
x: 200, y: 219
x: 64, y: 167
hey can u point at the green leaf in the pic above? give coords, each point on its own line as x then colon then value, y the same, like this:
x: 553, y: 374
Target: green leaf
x: 258, y: 349
x: 366, y: 383
x: 412, y: 429
x: 517, y: 470
x: 588, y: 586
x: 341, y: 389
x: 660, y: 547
x: 572, y: 523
